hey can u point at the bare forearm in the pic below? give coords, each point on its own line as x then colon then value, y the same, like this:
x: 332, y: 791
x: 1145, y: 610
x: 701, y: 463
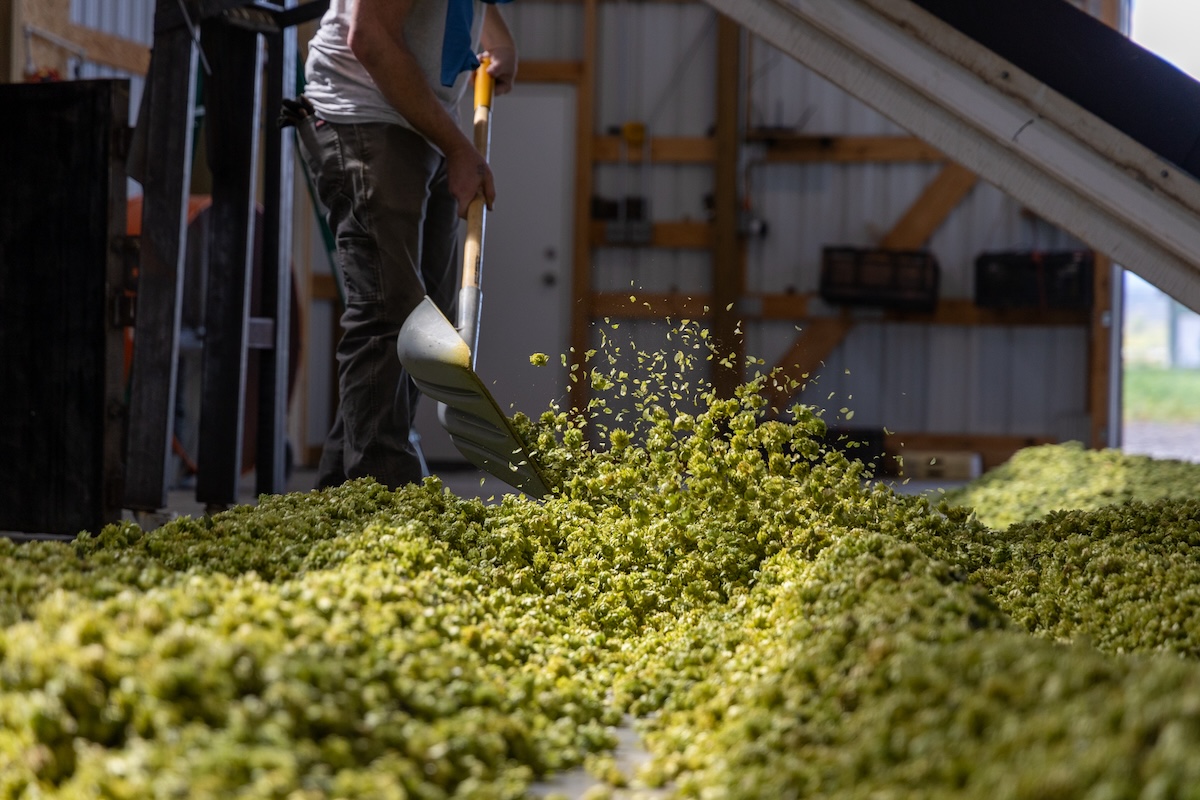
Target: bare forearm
x: 498, y: 43
x: 387, y: 58
x: 495, y: 31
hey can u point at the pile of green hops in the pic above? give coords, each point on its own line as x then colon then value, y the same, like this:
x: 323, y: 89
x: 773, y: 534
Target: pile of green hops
x: 771, y: 622
x: 1067, y: 477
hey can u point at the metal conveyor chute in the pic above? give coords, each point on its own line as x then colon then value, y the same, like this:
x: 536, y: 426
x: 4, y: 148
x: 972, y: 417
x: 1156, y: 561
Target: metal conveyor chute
x: 1065, y: 115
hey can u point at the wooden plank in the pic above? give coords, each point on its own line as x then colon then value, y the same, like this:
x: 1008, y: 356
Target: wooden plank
x: 780, y: 306
x: 111, y: 51
x: 1100, y: 353
x: 796, y: 306
x: 728, y: 275
x: 994, y: 450
x: 930, y: 210
x: 581, y: 256
x: 115, y: 423
x: 952, y: 311
x: 818, y: 338
x: 324, y: 287
x: 232, y: 118
x: 1110, y: 13
x: 796, y: 148
x: 546, y: 71
x: 653, y: 305
x: 48, y: 15
x: 681, y: 234
x: 275, y: 291
x: 62, y: 408
x: 166, y: 110
x: 9, y: 70
x: 663, y: 150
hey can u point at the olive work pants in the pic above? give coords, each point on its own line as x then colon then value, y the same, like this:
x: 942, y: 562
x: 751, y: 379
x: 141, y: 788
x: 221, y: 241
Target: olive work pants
x: 396, y: 226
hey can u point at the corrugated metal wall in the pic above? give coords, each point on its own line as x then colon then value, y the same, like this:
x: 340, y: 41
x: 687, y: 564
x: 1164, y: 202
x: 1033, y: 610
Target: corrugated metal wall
x: 658, y: 66
x: 658, y: 61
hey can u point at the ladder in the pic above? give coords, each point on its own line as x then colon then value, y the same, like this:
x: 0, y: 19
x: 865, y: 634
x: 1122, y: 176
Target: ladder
x: 247, y: 77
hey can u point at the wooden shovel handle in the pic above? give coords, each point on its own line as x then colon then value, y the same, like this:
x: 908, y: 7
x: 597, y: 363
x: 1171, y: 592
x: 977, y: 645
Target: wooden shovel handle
x: 472, y: 271
x: 477, y: 211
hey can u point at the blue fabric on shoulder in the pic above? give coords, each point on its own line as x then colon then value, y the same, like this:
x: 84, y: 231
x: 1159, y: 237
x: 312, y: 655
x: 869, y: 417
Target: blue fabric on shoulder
x: 457, y: 54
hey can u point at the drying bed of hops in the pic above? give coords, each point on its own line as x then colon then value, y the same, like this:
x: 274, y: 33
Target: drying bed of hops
x: 1039, y: 480
x: 773, y: 624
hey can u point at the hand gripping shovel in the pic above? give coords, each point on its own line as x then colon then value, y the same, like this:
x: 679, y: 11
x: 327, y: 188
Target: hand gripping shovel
x: 441, y: 360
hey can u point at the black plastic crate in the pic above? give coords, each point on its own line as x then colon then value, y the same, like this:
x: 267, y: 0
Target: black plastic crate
x: 1059, y: 280
x: 903, y: 280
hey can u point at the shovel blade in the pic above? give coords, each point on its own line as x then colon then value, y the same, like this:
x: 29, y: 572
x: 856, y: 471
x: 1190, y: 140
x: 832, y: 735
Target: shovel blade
x: 439, y: 361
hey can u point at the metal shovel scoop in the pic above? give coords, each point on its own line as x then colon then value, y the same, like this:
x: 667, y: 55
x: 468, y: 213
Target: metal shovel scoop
x: 441, y: 359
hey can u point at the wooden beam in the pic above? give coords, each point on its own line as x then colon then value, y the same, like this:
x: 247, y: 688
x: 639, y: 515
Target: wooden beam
x: 965, y: 312
x: 683, y: 234
x: 324, y: 287
x: 663, y: 150
x: 792, y: 306
x: 1100, y: 343
x: 233, y: 109
x: 816, y: 341
x: 550, y: 71
x: 657, y: 305
x: 47, y: 15
x: 698, y: 306
x: 796, y: 148
x: 1100, y: 353
x: 926, y: 215
x: 728, y: 269
x: 581, y: 257
x: 168, y: 98
x: 993, y: 450
x: 275, y: 286
x: 111, y: 51
x: 774, y: 306
x: 1110, y: 14
x: 8, y: 43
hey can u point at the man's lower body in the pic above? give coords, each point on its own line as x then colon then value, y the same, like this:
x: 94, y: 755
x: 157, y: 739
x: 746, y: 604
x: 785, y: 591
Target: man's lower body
x: 396, y: 227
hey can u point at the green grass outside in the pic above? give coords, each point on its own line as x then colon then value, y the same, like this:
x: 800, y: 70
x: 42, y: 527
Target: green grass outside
x: 1161, y: 394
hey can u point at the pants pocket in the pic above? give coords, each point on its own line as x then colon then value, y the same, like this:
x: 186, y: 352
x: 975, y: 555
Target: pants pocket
x: 361, y: 268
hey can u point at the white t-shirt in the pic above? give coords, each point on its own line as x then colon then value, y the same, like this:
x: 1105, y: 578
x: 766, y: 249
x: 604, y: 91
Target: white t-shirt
x: 340, y: 88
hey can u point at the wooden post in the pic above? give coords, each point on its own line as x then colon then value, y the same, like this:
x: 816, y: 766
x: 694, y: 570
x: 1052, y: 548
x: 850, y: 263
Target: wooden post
x: 166, y: 110
x: 275, y: 291
x: 581, y: 272
x: 1105, y: 430
x: 728, y: 269
x: 8, y: 41
x: 1100, y: 352
x: 45, y: 15
x: 233, y: 112
x: 926, y: 215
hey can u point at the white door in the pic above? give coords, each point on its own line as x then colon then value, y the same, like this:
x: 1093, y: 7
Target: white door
x: 526, y: 278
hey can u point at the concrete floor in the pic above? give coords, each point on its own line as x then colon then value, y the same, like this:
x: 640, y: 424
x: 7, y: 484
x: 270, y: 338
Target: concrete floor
x: 1170, y: 440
